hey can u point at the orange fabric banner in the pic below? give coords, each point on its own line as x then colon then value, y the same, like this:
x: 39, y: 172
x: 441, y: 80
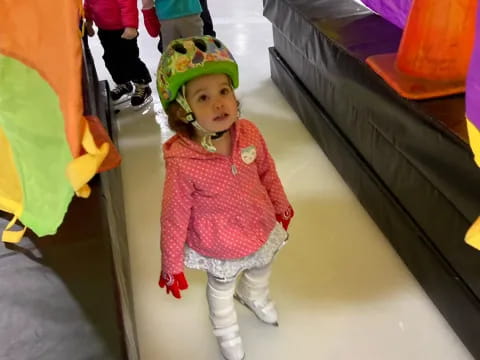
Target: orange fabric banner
x: 54, y: 52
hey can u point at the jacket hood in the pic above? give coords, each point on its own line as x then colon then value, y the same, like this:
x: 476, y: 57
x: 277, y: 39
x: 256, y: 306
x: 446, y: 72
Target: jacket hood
x: 179, y: 146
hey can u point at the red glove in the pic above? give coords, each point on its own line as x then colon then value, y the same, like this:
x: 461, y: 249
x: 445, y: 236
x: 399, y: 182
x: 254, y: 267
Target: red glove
x: 174, y: 283
x: 151, y: 22
x: 285, y: 218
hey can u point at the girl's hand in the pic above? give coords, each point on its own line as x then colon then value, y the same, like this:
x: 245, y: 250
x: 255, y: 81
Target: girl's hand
x: 285, y: 218
x: 173, y: 283
x: 129, y: 33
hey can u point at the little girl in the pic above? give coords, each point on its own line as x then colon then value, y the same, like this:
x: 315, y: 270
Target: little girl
x: 117, y: 23
x: 224, y: 209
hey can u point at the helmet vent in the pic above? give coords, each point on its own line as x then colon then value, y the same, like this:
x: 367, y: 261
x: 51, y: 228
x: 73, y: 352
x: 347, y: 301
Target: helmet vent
x: 179, y: 48
x: 200, y: 44
x: 218, y: 43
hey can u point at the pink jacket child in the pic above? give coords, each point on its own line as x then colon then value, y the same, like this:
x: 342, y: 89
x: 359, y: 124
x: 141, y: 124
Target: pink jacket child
x: 112, y: 14
x: 117, y: 22
x: 222, y: 207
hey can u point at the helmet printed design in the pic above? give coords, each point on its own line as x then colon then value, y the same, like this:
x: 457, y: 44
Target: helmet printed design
x: 188, y: 58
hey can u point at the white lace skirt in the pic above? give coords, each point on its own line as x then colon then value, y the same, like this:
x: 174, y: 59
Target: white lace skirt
x: 227, y: 270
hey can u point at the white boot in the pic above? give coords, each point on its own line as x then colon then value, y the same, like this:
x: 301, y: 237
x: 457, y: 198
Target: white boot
x: 253, y: 292
x: 224, y: 318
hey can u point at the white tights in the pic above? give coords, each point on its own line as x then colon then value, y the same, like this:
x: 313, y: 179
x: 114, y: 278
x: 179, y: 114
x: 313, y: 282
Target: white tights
x: 222, y: 310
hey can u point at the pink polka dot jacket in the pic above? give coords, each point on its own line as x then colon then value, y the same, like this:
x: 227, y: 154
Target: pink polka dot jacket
x: 222, y: 206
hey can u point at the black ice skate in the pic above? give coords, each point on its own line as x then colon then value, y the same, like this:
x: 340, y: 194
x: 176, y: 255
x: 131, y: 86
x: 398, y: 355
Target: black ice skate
x: 121, y: 93
x: 142, y: 96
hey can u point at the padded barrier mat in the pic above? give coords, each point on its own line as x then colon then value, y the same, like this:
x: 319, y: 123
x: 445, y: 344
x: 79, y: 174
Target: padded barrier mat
x: 447, y: 290
x: 427, y: 167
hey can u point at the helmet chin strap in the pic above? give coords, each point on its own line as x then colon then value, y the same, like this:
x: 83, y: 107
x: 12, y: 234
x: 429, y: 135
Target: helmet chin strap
x: 207, y: 137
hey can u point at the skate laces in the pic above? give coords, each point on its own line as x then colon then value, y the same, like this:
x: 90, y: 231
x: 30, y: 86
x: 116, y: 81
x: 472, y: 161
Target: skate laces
x: 139, y: 91
x: 120, y: 89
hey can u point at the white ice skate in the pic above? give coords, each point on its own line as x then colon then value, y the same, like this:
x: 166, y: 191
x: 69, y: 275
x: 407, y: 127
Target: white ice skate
x: 252, y: 291
x: 224, y: 319
x: 230, y: 342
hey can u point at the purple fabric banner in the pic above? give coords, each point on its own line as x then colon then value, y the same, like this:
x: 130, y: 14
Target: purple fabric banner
x: 395, y: 11
x: 472, y: 96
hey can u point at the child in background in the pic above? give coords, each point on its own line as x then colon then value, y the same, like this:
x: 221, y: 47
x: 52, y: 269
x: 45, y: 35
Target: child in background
x: 179, y: 19
x: 153, y: 26
x: 117, y: 22
x: 224, y: 209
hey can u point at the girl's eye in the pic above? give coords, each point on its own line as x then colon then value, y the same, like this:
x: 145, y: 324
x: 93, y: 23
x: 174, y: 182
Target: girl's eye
x: 202, y: 98
x: 225, y: 91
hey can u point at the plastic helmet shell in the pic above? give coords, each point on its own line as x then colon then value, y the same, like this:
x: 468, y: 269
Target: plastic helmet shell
x: 187, y: 58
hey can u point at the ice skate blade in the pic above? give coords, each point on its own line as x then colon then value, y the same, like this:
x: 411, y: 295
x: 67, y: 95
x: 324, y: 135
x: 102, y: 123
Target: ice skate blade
x: 243, y: 358
x: 122, y: 100
x: 147, y: 101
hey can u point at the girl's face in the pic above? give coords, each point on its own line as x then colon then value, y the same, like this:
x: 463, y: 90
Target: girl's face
x: 212, y: 101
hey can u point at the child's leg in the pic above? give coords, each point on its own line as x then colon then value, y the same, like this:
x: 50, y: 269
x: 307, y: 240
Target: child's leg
x: 169, y: 32
x: 137, y: 72
x: 181, y: 27
x: 224, y: 317
x: 132, y: 65
x: 190, y: 26
x: 112, y: 44
x: 253, y: 292
x: 160, y: 43
x: 207, y: 19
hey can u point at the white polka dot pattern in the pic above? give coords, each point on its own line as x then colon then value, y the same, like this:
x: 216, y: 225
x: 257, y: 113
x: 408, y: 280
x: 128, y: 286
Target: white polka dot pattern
x: 218, y: 212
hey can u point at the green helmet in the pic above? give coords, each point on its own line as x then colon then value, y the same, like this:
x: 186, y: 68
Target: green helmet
x: 188, y: 58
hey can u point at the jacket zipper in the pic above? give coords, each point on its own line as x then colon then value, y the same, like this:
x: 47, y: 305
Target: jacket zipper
x: 233, y: 166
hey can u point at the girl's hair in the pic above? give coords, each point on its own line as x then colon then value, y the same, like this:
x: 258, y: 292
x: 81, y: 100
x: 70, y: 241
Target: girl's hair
x: 175, y: 115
